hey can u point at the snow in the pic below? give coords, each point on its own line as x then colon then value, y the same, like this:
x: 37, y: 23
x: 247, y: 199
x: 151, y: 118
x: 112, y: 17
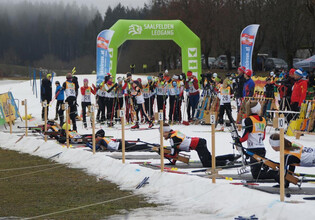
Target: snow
x: 181, y: 196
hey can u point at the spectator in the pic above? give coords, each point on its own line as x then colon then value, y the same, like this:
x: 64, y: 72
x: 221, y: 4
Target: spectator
x: 249, y: 85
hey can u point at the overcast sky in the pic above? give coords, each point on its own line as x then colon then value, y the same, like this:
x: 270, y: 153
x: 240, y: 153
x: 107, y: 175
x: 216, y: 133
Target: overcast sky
x: 101, y: 5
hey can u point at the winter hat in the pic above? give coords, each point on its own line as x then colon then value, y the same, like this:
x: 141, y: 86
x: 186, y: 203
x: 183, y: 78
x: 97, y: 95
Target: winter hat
x: 304, y: 74
x: 256, y: 109
x: 271, y: 73
x: 166, y: 71
x: 119, y: 79
x: 166, y: 127
x: 48, y: 75
x: 299, y: 72
x: 140, y: 80
x: 248, y: 72
x: 291, y: 72
x: 242, y: 69
x: 189, y: 73
x: 128, y: 74
x: 149, y: 77
x: 57, y: 82
x: 214, y: 75
x: 274, y: 142
x: 100, y: 133
x: 85, y: 80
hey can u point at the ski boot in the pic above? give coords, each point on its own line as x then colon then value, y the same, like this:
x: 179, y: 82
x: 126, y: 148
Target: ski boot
x: 136, y: 126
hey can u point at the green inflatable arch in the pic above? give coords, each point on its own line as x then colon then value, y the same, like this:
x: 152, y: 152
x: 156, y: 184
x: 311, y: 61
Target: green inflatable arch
x: 174, y: 30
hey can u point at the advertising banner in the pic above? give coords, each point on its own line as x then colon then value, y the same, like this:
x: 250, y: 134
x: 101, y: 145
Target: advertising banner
x: 174, y: 30
x: 103, y: 55
x: 248, y: 37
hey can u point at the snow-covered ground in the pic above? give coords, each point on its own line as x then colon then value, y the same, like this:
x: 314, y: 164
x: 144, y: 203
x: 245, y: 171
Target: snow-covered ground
x: 182, y: 196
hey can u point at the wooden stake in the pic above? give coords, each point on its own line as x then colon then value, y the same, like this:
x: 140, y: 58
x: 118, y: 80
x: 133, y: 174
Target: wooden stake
x: 67, y: 123
x: 92, y: 111
x: 10, y: 122
x: 213, y: 170
x: 161, y: 140
x: 281, y: 126
x: 45, y: 117
x: 121, y: 114
x: 26, y: 118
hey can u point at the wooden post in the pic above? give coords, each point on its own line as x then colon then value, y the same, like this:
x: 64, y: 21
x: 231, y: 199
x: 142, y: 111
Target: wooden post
x: 161, y: 140
x: 45, y: 117
x: 213, y: 170
x: 67, y: 123
x: 9, y: 111
x: 92, y: 111
x: 121, y: 114
x: 26, y: 118
x: 281, y: 126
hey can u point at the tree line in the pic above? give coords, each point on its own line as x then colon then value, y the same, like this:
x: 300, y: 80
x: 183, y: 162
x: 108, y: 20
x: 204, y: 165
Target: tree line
x: 59, y: 36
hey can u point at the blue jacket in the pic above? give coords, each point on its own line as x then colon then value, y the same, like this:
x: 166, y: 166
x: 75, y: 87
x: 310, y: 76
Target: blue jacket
x: 248, y: 89
x: 61, y: 95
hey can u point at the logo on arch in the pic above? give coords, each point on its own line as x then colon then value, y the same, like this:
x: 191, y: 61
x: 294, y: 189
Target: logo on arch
x: 135, y: 29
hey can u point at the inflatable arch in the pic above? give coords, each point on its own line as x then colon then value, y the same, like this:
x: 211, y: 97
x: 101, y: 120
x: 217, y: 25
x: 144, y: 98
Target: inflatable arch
x: 174, y: 30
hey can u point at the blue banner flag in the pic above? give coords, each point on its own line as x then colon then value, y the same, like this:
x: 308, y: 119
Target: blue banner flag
x: 103, y: 54
x: 248, y: 37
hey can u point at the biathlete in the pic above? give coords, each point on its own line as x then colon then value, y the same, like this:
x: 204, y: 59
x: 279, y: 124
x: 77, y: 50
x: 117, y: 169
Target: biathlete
x: 106, y: 144
x: 180, y: 142
x: 294, y: 155
x: 254, y: 134
x: 139, y: 104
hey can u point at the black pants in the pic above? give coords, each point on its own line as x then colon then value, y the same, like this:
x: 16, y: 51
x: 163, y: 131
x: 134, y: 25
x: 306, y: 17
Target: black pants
x: 118, y: 103
x: 260, y: 170
x: 73, y: 110
x: 172, y: 108
x: 110, y: 109
x: 288, y: 160
x: 161, y: 102
x: 128, y: 108
x: 225, y: 108
x: 101, y: 107
x: 294, y: 107
x: 139, y: 108
x: 59, y: 111
x: 85, y: 105
x: 205, y: 155
x: 147, y: 105
x: 133, y: 146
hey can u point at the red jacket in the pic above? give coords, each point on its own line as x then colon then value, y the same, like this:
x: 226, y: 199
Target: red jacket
x: 299, y: 91
x: 195, y: 84
x: 93, y: 90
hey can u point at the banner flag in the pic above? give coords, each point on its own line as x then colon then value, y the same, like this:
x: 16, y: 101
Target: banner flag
x: 102, y: 55
x: 248, y: 37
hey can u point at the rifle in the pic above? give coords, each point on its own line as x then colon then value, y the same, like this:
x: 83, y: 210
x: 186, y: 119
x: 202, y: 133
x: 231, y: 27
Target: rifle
x: 167, y: 153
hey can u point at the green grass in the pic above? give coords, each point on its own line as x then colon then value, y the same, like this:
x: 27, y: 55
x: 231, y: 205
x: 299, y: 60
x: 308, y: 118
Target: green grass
x: 57, y: 189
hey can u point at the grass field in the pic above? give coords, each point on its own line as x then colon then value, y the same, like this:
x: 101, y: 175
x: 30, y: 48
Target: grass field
x: 55, y: 187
